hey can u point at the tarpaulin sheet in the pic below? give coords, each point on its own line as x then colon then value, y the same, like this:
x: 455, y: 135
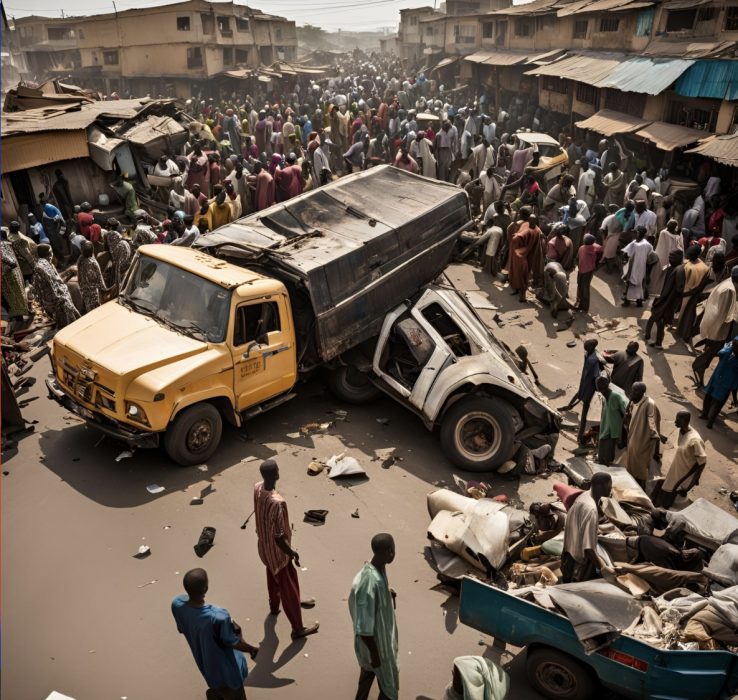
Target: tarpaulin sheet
x: 716, y: 79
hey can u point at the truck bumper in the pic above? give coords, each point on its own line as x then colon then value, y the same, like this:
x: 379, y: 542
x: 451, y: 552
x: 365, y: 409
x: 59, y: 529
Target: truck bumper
x: 131, y: 437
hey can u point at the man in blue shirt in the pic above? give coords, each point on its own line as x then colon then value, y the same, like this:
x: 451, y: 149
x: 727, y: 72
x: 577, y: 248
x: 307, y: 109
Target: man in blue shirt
x: 215, y: 640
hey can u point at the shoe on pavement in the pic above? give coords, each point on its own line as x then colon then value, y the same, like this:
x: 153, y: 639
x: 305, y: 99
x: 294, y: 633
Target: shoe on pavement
x: 307, y: 603
x: 305, y: 631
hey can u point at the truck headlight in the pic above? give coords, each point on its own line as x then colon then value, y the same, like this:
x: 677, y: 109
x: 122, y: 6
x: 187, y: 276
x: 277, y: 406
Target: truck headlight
x: 135, y: 412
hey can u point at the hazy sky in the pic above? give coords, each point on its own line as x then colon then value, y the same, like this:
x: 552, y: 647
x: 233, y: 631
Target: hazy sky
x: 331, y: 14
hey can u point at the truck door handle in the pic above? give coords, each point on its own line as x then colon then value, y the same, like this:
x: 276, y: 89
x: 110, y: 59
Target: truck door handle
x: 276, y: 351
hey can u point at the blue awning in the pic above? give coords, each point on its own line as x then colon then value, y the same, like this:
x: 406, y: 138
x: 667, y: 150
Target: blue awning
x: 716, y: 79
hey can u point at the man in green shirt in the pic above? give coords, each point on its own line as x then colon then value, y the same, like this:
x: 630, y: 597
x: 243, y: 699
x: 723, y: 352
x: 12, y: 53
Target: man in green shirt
x: 614, y: 403
x: 372, y: 607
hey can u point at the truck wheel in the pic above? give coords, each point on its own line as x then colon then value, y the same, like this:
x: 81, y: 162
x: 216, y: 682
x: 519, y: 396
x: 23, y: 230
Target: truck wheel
x: 193, y: 436
x: 558, y: 676
x: 478, y: 432
x: 351, y: 385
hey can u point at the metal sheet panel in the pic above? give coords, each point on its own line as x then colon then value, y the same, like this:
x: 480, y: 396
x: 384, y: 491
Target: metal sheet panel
x: 716, y: 79
x: 667, y: 137
x: 646, y: 75
x: 722, y: 149
x: 31, y: 150
x: 685, y: 48
x: 587, y: 6
x: 608, y: 122
x: 585, y: 68
x: 506, y: 58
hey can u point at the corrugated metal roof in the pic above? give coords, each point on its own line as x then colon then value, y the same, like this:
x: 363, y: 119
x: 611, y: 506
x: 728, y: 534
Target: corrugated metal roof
x: 498, y: 58
x: 683, y: 4
x: 537, y: 7
x: 717, y: 79
x: 70, y: 119
x: 667, y: 137
x: 686, y: 48
x: 646, y: 75
x: 722, y: 149
x: 24, y: 151
x: 582, y: 6
x: 544, y: 59
x: 152, y: 128
x: 586, y: 68
x: 609, y: 123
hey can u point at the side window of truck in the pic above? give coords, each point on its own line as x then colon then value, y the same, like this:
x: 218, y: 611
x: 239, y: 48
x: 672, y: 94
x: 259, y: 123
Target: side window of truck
x: 254, y: 320
x: 436, y: 315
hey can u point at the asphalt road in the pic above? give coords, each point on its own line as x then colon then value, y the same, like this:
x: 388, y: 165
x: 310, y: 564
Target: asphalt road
x: 84, y: 617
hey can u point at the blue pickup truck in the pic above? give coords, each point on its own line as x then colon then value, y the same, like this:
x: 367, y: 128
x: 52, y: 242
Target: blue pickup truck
x: 558, y: 668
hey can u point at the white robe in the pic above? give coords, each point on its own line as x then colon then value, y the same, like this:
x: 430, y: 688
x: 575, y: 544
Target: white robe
x: 425, y: 154
x: 637, y: 252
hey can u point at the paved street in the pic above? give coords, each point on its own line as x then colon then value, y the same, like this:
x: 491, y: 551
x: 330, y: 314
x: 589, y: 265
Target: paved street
x: 82, y: 616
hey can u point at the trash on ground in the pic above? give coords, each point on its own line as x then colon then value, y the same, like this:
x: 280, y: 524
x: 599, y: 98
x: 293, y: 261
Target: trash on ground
x: 312, y: 428
x: 340, y: 465
x: 315, y: 468
x: 148, y: 583
x: 355, y: 514
x: 154, y: 488
x: 56, y: 695
x: 143, y: 552
x: 340, y: 414
x: 383, y: 421
x: 387, y: 463
x: 196, y: 501
x: 250, y: 458
x: 126, y: 454
x: 206, y: 541
x: 315, y: 516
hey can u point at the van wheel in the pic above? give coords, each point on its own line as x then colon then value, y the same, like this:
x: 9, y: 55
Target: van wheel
x: 193, y: 436
x: 478, y: 432
x: 558, y: 676
x: 352, y: 386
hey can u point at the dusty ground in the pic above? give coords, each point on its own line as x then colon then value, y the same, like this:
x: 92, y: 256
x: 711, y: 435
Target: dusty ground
x: 82, y: 616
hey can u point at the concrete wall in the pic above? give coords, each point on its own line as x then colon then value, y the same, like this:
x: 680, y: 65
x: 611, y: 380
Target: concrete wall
x: 725, y: 117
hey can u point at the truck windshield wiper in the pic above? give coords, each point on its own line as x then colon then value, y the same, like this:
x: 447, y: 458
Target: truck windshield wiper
x: 136, y: 305
x: 190, y: 326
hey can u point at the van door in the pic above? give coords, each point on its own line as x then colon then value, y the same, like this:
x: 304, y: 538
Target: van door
x: 263, y: 348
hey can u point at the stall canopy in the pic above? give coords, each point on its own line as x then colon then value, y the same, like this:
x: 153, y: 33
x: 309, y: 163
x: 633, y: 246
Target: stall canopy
x: 585, y: 68
x: 716, y: 79
x: 667, y: 137
x: 646, y: 75
x: 498, y: 58
x: 609, y: 123
x: 684, y: 48
x: 721, y: 149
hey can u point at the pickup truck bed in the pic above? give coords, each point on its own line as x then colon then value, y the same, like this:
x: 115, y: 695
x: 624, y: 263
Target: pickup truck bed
x: 349, y: 251
x: 629, y: 667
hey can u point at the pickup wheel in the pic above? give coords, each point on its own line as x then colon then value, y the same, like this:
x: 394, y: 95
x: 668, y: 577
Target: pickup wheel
x: 478, y: 432
x: 193, y: 436
x: 558, y: 676
x: 352, y: 386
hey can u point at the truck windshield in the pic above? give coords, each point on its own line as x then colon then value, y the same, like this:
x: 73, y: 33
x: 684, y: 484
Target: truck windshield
x: 178, y: 299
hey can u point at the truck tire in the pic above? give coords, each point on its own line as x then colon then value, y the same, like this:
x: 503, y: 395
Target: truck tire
x: 558, y: 676
x: 478, y: 432
x: 194, y: 434
x: 352, y: 386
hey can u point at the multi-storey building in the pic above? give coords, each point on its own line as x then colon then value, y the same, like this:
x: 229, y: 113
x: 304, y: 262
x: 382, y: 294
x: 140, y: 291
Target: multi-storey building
x: 155, y: 50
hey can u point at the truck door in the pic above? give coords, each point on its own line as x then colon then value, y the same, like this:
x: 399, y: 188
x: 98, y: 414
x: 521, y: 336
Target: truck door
x: 263, y: 347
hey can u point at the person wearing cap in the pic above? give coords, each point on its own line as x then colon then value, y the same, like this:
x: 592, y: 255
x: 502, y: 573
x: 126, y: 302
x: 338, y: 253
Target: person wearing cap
x: 274, y: 538
x: 717, y: 322
x: 723, y: 383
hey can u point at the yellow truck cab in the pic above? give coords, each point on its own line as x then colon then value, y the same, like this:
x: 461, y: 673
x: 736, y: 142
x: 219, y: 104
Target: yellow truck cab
x: 191, y: 339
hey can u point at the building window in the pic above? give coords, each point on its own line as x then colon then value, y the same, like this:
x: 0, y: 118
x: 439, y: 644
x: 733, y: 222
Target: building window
x: 110, y: 58
x: 731, y: 18
x: 609, y: 24
x: 413, y: 21
x: 183, y: 24
x: 278, y: 33
x: 706, y: 14
x: 501, y: 33
x: 60, y: 33
x: 242, y: 56
x: 544, y: 22
x: 694, y: 115
x: 207, y: 23
x: 429, y: 31
x: 632, y: 103
x: 488, y: 30
x: 224, y: 25
x: 194, y: 57
x: 227, y: 56
x: 464, y: 34
x: 581, y: 26
x: 588, y: 94
x: 522, y: 27
x: 555, y: 85
x: 678, y: 20
x: 242, y: 24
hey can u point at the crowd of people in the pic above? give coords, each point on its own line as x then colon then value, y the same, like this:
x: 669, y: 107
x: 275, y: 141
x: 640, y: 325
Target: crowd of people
x: 592, y: 208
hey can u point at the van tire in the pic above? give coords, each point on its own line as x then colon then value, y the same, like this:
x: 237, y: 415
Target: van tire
x: 558, y: 676
x: 194, y: 434
x: 352, y: 386
x: 492, y: 416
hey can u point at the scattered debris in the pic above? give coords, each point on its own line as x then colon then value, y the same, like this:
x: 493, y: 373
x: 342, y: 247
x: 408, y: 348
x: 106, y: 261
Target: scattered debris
x: 340, y: 414
x: 387, y: 463
x: 246, y: 522
x: 154, y: 488
x: 143, y: 552
x: 312, y: 428
x: 355, y: 514
x: 293, y: 436
x: 315, y: 468
x: 340, y: 465
x: 166, y: 527
x: 205, y: 543
x: 148, y: 583
x: 202, y: 467
x: 250, y: 458
x: 126, y: 454
x: 571, y: 344
x: 315, y: 516
x: 383, y: 421
x: 196, y: 501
